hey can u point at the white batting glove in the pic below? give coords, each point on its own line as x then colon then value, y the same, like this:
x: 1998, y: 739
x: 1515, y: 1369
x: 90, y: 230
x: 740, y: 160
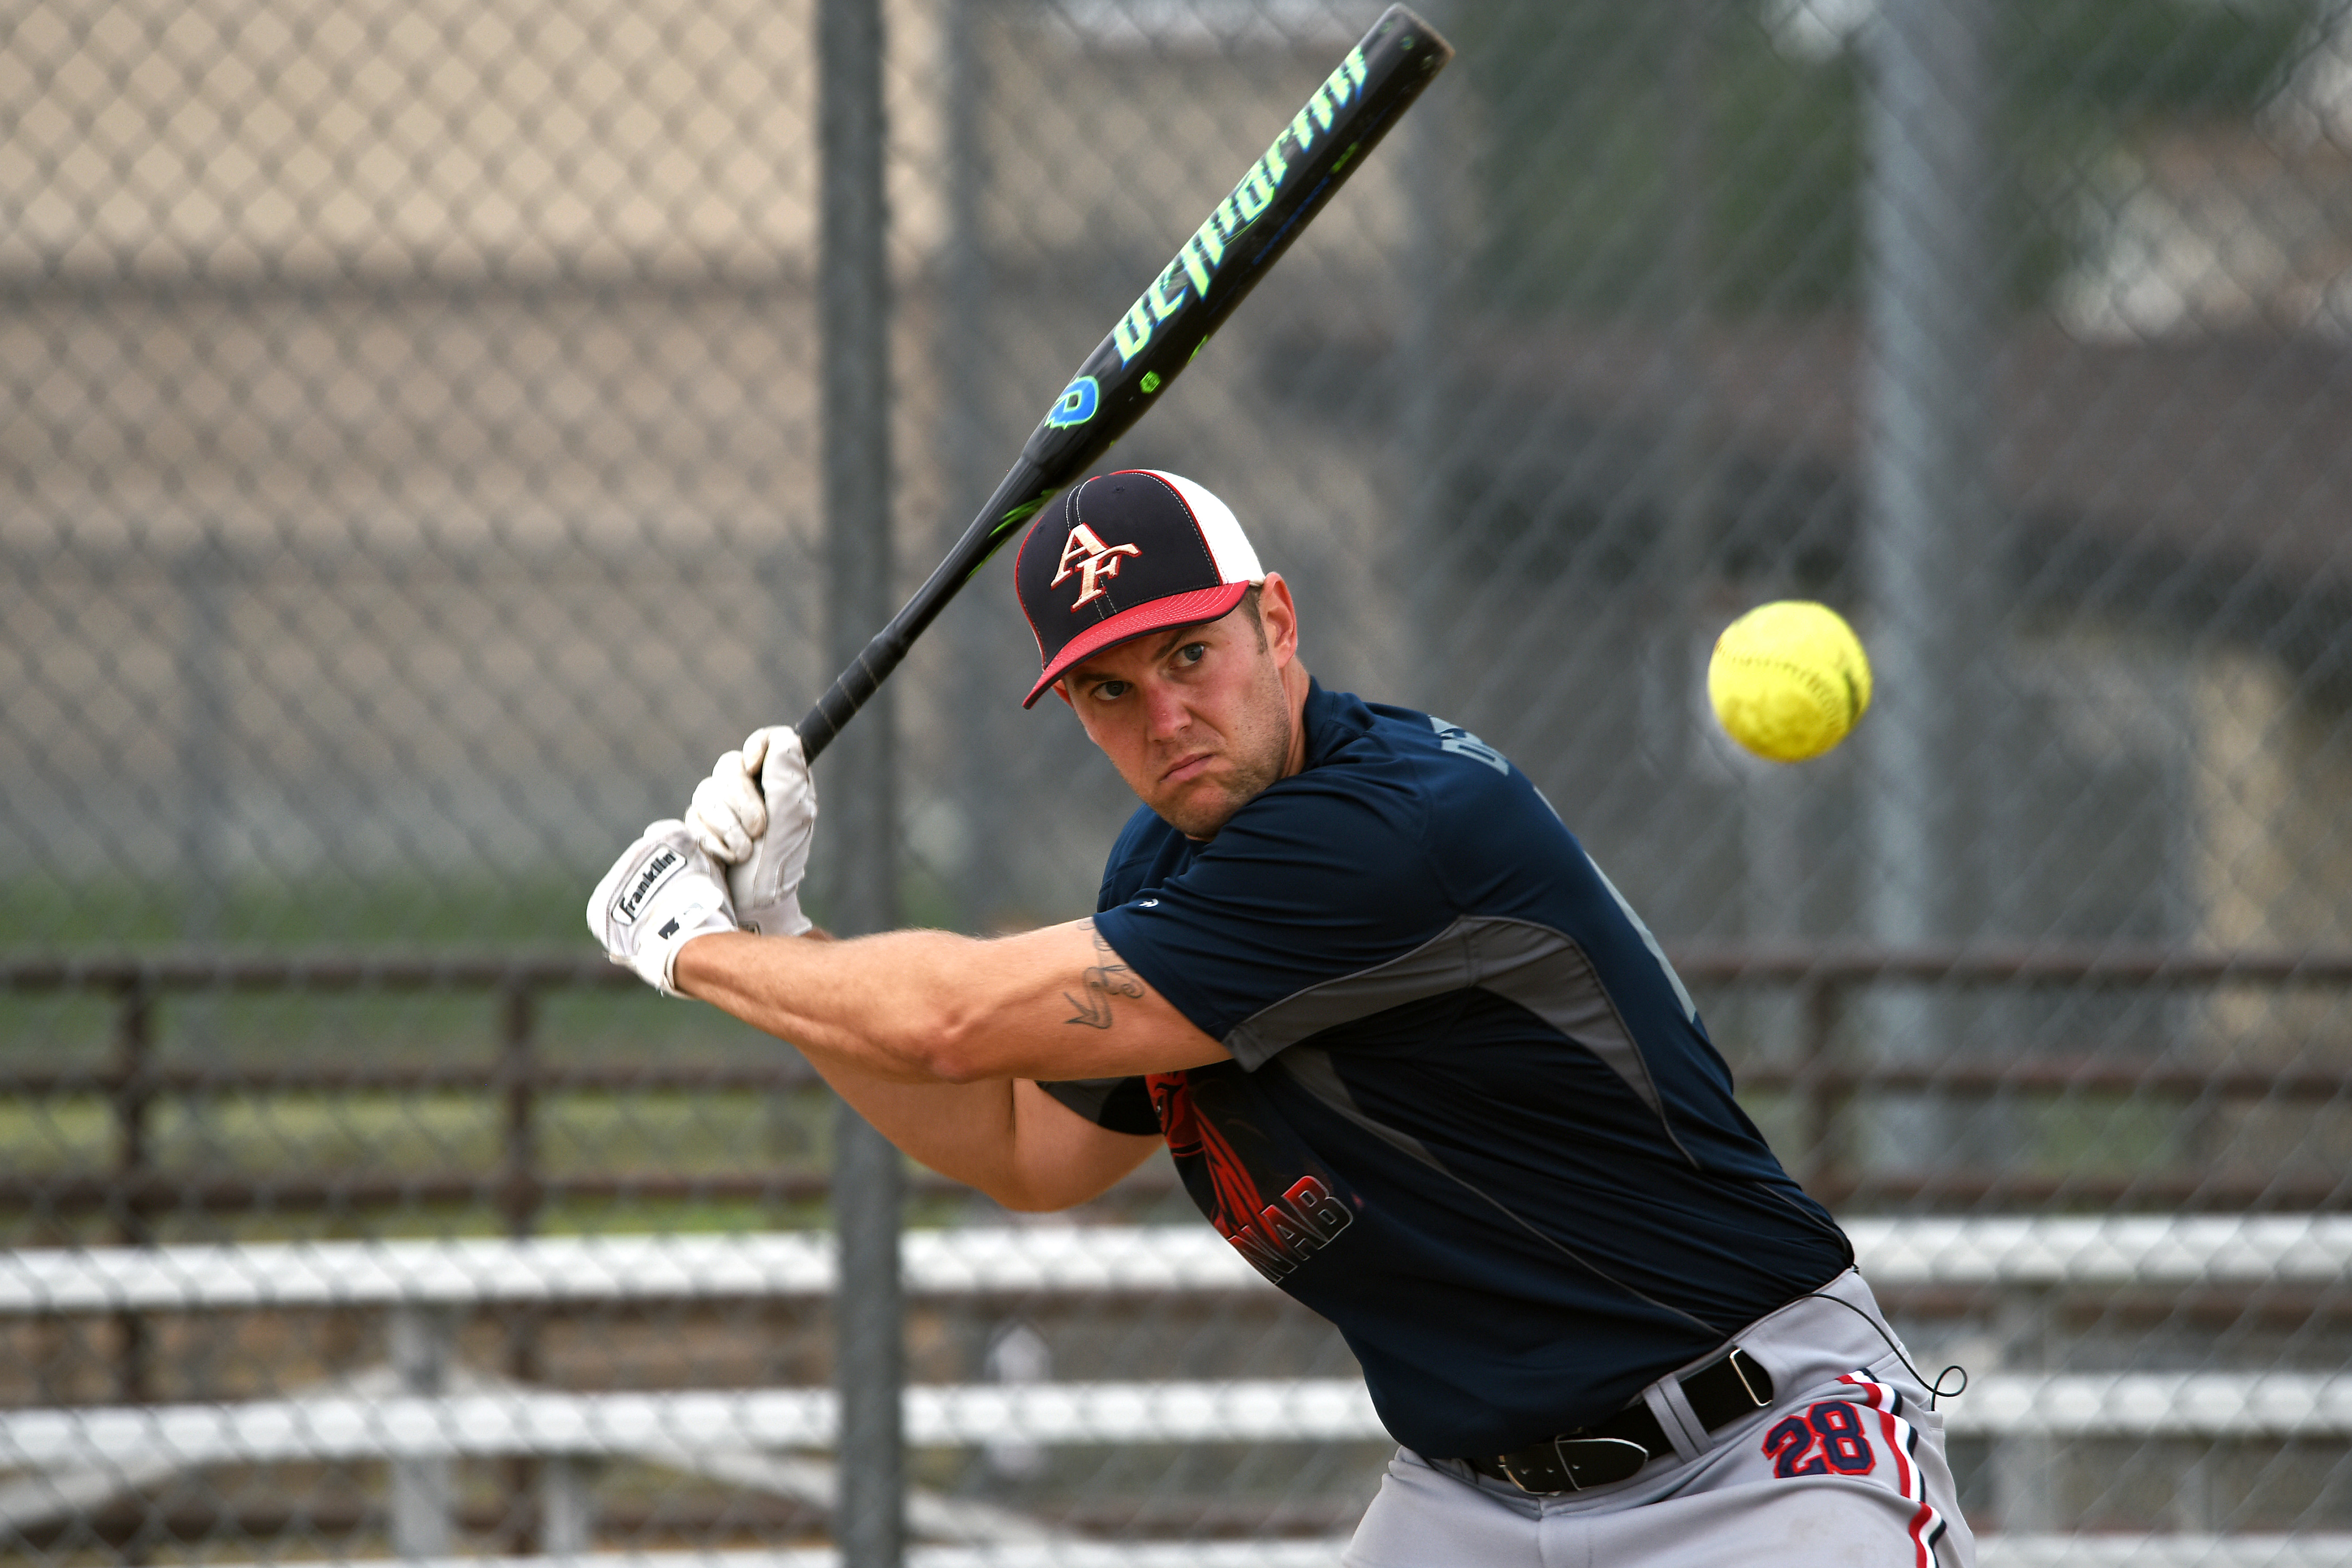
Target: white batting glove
x: 661, y: 894
x: 756, y: 813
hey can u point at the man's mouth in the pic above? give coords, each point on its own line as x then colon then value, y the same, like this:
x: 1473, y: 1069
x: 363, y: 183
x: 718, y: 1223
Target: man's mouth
x: 1188, y: 770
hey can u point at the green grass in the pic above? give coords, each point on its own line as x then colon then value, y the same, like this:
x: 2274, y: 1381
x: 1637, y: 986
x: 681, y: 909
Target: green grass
x: 45, y: 913
x: 454, y: 1132
x: 2080, y: 1135
x: 427, y: 1134
x: 402, y: 912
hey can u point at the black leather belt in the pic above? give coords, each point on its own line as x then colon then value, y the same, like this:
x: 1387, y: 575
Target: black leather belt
x: 1721, y: 1392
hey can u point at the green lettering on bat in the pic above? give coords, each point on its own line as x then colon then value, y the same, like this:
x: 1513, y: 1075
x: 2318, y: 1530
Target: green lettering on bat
x: 1133, y: 332
x: 1162, y: 307
x: 1008, y: 526
x: 1204, y: 251
x: 1198, y: 258
x: 1273, y: 161
x: 1255, y: 193
x: 1150, y: 382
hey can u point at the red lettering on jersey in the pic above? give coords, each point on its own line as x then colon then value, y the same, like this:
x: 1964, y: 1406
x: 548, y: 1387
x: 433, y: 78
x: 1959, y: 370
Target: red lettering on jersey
x: 1262, y: 1257
x: 1324, y: 1215
x: 1283, y: 1227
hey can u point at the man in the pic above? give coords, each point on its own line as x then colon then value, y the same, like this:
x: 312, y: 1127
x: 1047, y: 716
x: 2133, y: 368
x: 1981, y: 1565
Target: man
x: 1413, y: 1056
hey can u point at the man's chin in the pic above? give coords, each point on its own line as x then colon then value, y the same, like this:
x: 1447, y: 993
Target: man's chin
x: 1199, y: 811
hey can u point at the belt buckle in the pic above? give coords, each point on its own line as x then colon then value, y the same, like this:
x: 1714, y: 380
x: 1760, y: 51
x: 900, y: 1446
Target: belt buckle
x: 1578, y: 1463
x: 1533, y: 1487
x: 1747, y: 1385
x: 1602, y: 1459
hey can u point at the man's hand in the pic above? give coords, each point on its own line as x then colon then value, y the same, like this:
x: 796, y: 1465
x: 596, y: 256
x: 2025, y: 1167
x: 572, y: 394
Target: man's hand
x: 755, y: 814
x: 661, y: 894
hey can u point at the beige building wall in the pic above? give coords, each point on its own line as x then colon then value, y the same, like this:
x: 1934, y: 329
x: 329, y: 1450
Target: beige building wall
x: 409, y: 414
x: 2272, y: 775
x: 395, y: 137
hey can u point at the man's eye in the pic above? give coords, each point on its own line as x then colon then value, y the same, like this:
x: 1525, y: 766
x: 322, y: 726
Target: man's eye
x: 1105, y: 691
x: 1193, y: 652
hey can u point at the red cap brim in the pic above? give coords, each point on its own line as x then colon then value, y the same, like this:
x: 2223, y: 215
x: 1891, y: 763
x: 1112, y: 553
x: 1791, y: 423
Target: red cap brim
x: 1176, y: 610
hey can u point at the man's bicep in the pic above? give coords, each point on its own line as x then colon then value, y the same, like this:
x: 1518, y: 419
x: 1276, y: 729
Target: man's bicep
x: 1071, y: 1007
x: 1062, y: 1157
x: 1295, y: 893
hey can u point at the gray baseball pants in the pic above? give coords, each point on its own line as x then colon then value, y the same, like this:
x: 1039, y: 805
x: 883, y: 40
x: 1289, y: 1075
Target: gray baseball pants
x: 1846, y: 1468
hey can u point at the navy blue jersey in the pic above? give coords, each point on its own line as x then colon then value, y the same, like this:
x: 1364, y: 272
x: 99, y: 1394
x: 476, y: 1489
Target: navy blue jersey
x: 1472, y: 1116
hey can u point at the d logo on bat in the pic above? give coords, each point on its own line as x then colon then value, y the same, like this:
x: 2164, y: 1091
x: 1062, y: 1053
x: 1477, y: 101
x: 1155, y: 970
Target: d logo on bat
x: 1079, y: 400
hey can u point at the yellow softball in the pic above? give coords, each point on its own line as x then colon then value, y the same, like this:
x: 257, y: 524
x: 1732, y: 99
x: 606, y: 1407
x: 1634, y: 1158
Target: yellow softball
x: 1788, y: 680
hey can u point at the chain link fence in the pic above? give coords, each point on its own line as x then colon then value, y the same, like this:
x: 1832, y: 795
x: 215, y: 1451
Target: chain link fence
x: 411, y: 455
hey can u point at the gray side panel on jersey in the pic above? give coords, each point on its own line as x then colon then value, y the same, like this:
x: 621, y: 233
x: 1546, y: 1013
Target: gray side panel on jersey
x: 1311, y: 1068
x: 1682, y: 991
x: 1537, y: 967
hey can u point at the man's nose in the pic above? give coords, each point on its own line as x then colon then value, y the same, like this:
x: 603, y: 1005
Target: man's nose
x: 1164, y: 707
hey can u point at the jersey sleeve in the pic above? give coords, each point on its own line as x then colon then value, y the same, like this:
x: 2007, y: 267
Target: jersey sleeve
x: 1114, y: 1104
x: 1320, y: 878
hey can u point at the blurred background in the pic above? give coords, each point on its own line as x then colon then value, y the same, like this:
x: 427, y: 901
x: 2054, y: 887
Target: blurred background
x: 413, y: 432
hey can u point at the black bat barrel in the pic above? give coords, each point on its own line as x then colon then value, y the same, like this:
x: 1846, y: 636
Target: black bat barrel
x: 1213, y: 270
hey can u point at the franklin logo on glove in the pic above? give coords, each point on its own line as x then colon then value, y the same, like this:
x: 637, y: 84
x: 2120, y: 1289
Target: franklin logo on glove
x: 733, y: 862
x: 659, y: 869
x: 666, y: 882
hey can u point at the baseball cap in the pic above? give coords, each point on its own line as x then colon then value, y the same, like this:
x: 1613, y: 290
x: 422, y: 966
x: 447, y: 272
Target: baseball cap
x: 1123, y: 554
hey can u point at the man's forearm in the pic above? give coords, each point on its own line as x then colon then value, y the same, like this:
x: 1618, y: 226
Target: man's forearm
x: 876, y: 1008
x: 1006, y: 1136
x: 962, y: 1131
x: 1003, y: 1136
x: 927, y: 1006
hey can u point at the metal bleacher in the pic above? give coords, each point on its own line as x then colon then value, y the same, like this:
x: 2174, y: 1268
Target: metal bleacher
x: 422, y: 1414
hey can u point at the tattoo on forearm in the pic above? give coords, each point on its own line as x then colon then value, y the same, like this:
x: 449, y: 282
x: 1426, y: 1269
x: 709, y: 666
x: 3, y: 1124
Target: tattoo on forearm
x: 1099, y: 983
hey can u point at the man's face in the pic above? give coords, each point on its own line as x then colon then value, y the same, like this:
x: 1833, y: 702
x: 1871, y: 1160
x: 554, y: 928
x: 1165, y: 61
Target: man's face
x: 1196, y: 719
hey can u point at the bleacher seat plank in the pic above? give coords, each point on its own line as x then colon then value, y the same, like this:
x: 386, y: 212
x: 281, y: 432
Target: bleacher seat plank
x: 1015, y: 1259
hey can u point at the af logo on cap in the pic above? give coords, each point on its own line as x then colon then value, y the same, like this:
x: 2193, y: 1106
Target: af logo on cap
x: 1085, y: 553
x: 1150, y: 550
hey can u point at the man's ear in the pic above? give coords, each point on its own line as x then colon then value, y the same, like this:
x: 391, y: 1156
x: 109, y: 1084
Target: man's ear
x: 1063, y: 693
x: 1279, y: 612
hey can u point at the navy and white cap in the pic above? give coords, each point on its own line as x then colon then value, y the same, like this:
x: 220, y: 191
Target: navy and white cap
x: 1124, y: 554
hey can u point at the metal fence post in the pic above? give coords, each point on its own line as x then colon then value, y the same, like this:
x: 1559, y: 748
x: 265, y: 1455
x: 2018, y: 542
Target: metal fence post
x: 1438, y: 161
x: 1928, y: 503
x: 861, y: 791
x: 987, y: 661
x: 134, y: 1093
x: 567, y: 1504
x: 1685, y: 462
x: 2025, y: 1482
x: 424, y: 1490
x: 564, y: 1500
x: 1820, y: 1090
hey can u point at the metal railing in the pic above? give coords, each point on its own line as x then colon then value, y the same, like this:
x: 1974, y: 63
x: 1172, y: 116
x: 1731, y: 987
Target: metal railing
x: 424, y: 1412
x: 1820, y: 1077
x: 1823, y: 1078
x: 1826, y: 1080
